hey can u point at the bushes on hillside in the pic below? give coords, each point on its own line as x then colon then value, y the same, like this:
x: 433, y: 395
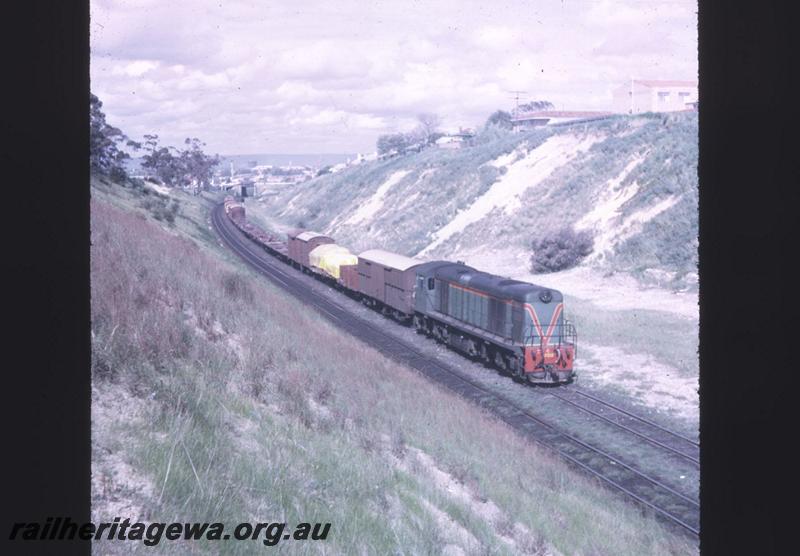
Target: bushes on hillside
x: 559, y: 250
x: 236, y: 287
x: 161, y: 208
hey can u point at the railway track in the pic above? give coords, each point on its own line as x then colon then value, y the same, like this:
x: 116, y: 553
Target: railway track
x: 649, y: 492
x: 652, y: 433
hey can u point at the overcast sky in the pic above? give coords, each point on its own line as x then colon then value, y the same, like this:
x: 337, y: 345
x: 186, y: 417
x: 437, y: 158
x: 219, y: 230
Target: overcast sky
x: 330, y: 76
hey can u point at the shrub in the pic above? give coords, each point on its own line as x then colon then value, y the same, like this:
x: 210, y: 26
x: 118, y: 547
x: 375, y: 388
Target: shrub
x: 488, y: 175
x: 161, y: 208
x: 236, y: 287
x: 560, y: 250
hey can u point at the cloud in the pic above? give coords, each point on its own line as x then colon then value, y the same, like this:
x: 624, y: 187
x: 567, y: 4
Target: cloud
x: 137, y: 68
x: 330, y: 77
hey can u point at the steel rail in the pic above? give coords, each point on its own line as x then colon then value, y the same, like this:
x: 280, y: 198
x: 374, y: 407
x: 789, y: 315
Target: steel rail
x: 581, y: 392
x: 641, y: 435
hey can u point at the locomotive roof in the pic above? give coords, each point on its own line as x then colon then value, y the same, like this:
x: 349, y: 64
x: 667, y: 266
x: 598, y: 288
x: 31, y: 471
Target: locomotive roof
x: 386, y: 258
x: 498, y: 286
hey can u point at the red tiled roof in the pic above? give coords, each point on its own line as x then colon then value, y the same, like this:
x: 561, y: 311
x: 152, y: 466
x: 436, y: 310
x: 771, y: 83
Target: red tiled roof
x: 665, y: 83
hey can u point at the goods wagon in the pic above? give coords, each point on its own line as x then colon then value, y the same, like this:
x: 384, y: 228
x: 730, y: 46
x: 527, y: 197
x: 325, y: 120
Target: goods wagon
x: 387, y: 281
x: 517, y: 325
x: 349, y: 277
x: 301, y: 243
x: 328, y: 259
x: 234, y: 210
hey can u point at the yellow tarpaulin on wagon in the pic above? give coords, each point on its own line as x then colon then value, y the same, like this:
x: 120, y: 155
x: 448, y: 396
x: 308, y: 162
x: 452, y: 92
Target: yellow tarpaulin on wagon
x: 329, y: 257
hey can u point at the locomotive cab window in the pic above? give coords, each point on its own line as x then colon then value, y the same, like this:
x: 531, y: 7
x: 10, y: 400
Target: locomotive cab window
x: 431, y: 283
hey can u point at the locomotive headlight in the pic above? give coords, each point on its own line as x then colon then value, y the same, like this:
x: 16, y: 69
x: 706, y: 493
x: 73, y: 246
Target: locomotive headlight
x: 545, y: 296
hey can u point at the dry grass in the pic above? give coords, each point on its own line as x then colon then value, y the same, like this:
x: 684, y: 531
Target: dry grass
x: 241, y: 404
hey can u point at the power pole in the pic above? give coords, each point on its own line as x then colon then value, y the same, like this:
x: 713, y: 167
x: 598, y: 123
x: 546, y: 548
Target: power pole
x: 630, y: 111
x: 516, y: 99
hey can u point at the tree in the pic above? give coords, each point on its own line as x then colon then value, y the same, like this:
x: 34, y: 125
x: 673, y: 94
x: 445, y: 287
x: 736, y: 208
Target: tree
x: 536, y: 105
x: 105, y: 156
x: 500, y: 118
x: 324, y: 170
x: 393, y: 142
x: 161, y: 162
x: 197, y: 166
x: 180, y: 168
x: 428, y: 125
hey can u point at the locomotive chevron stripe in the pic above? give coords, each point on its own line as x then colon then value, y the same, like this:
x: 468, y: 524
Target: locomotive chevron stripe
x: 553, y: 321
x: 534, y: 318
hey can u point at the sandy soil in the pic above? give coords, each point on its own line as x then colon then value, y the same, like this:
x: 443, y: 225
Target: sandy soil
x: 372, y: 205
x: 650, y: 383
x: 117, y: 488
x: 160, y: 188
x: 522, y: 174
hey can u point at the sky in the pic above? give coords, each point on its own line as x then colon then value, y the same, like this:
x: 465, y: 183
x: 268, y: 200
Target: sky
x: 297, y: 76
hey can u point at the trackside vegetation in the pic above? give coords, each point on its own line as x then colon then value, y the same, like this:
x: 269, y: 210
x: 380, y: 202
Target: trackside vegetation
x: 216, y: 397
x: 559, y: 250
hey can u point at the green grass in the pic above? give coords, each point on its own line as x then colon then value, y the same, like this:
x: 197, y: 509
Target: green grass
x: 670, y: 339
x: 243, y: 405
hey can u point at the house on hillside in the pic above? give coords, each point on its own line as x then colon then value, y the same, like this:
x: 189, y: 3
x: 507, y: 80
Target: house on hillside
x: 457, y: 140
x: 529, y: 120
x: 649, y: 95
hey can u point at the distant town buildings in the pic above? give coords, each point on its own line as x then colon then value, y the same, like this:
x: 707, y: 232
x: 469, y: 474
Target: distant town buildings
x: 651, y: 95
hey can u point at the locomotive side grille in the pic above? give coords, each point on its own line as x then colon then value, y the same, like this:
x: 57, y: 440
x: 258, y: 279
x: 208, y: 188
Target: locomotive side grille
x: 517, y: 318
x: 497, y: 316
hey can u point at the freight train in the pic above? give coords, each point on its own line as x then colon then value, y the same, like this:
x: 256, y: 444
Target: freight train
x: 516, y: 326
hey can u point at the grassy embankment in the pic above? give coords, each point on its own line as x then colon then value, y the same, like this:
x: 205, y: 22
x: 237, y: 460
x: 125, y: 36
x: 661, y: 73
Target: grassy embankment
x: 218, y: 398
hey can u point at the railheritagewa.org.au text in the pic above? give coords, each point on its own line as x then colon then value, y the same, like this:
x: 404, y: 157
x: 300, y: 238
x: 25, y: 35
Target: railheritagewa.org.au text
x: 152, y: 533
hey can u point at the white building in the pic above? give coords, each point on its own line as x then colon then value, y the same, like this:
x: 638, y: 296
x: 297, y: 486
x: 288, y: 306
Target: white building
x: 643, y: 95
